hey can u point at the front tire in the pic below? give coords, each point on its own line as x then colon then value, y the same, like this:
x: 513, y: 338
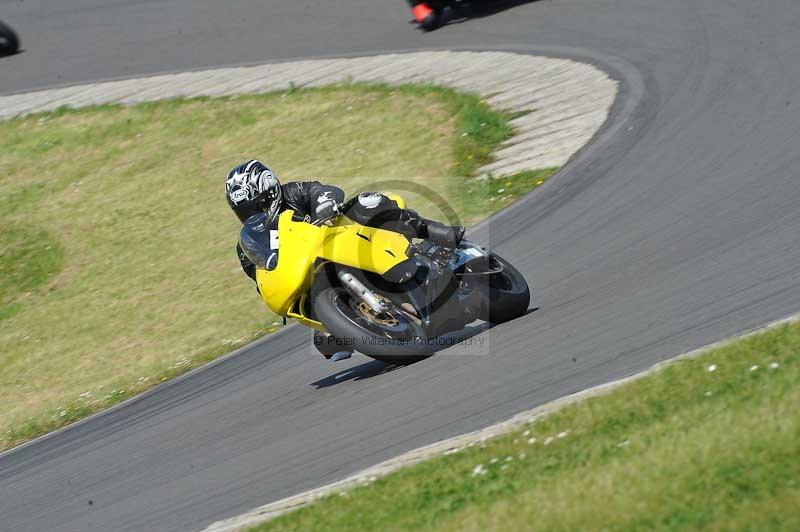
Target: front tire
x: 393, y: 338
x: 507, y: 294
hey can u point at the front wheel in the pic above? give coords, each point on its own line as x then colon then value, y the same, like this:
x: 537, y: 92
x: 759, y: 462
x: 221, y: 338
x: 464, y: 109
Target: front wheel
x: 393, y: 337
x: 507, y: 295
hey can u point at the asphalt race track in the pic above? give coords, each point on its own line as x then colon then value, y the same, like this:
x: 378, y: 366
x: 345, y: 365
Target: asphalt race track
x: 678, y: 226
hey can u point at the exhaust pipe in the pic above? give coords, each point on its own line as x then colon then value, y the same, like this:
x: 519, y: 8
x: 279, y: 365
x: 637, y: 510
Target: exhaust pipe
x: 359, y: 291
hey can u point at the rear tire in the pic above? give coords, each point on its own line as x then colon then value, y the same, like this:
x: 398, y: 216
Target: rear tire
x: 9, y: 42
x: 396, y: 340
x: 507, y: 294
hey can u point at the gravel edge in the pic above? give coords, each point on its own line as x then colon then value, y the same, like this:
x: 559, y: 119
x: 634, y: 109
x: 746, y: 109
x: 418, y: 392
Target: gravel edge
x: 565, y: 102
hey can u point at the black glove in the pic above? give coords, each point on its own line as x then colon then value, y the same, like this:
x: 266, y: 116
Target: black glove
x: 327, y: 208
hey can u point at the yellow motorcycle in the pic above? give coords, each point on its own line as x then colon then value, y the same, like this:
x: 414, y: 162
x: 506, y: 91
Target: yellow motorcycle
x: 375, y: 291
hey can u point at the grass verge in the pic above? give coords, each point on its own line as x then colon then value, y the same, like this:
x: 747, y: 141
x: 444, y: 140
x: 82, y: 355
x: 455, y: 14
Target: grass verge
x: 710, y: 443
x: 117, y: 247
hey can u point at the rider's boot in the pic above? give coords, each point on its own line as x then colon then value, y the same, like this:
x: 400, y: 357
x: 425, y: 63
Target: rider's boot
x: 327, y: 347
x: 425, y: 15
x: 340, y: 355
x: 420, y: 10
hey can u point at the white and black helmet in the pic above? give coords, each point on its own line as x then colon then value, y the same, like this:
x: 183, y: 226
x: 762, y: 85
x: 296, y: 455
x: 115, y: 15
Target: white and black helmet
x: 252, y: 188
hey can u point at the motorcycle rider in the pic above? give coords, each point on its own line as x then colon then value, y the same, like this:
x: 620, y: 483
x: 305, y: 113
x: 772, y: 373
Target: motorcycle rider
x: 251, y: 188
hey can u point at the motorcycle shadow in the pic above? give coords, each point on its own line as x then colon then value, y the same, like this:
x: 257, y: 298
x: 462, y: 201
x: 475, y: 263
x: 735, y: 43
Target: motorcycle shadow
x: 370, y: 369
x: 374, y: 368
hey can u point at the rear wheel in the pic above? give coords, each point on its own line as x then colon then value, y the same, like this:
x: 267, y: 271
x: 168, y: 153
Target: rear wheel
x: 507, y: 293
x: 394, y: 337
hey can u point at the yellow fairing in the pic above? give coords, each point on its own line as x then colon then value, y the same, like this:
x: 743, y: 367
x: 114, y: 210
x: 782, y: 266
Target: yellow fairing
x: 301, y: 244
x: 365, y: 248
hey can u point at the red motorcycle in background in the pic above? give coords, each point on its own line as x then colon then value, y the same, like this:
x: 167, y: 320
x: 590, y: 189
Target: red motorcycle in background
x: 9, y: 41
x: 429, y: 14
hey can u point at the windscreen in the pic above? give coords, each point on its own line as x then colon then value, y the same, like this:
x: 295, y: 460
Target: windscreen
x: 259, y: 241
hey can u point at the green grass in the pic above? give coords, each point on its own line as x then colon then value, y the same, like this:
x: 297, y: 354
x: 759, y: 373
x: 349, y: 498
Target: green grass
x: 118, y: 264
x: 685, y: 448
x: 29, y: 257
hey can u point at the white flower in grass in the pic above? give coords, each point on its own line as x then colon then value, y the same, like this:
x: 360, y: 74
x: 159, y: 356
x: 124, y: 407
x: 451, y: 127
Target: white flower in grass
x: 531, y: 441
x: 707, y: 394
x: 754, y: 367
x: 549, y: 440
x: 623, y: 443
x: 711, y: 368
x: 494, y: 460
x: 774, y: 365
x: 563, y: 434
x: 526, y: 433
x: 505, y: 466
x: 509, y: 458
x: 63, y: 413
x: 479, y: 470
x: 522, y: 456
